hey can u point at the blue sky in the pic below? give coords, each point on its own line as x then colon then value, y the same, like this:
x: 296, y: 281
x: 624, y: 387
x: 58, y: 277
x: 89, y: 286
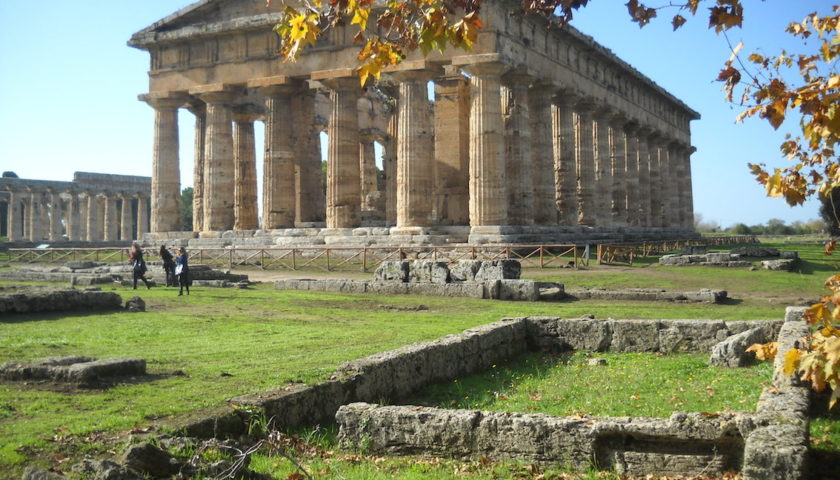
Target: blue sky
x: 69, y: 86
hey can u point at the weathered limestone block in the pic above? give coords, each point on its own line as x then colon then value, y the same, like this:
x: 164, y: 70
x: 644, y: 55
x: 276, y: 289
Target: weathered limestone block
x: 298, y: 404
x: 464, y: 270
x: 779, y: 265
x: 776, y: 452
x: 76, y: 369
x: 695, y: 250
x: 135, y: 304
x: 551, y: 291
x: 634, y: 336
x: 551, y: 333
x: 392, y: 271
x: 789, y: 255
x: 428, y: 271
x: 685, y: 336
x: 150, y: 460
x: 732, y: 351
x: 61, y: 300
x: 527, y: 290
x: 104, y: 470
x: 753, y: 251
x: 716, y: 258
x: 674, y: 260
x: 498, y: 270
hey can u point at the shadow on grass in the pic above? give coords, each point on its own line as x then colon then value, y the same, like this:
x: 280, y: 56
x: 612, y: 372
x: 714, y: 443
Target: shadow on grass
x: 731, y: 301
x: 42, y: 316
x: 807, y: 267
x: 95, y: 386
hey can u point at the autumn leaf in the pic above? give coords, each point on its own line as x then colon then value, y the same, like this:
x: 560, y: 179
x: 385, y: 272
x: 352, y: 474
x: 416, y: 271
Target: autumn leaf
x: 791, y: 361
x: 678, y: 21
x: 764, y: 351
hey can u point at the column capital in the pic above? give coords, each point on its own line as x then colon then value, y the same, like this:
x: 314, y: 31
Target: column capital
x: 340, y: 79
x: 490, y: 69
x: 517, y: 78
x: 586, y: 105
x: 566, y: 97
x: 542, y: 87
x: 403, y: 76
x: 245, y: 115
x: 216, y: 92
x: 165, y: 100
x: 618, y: 120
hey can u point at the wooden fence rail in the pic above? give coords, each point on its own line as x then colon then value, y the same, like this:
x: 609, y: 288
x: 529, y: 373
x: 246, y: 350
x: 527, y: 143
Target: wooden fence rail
x: 326, y: 258
x: 609, y: 254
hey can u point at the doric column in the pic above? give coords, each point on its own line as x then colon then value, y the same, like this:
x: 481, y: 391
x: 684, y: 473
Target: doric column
x: 13, y: 225
x: 219, y: 165
x: 35, y: 211
x: 367, y: 168
x: 542, y: 153
x: 309, y: 187
x: 603, y: 168
x: 245, y: 173
x: 110, y: 217
x: 618, y: 153
x: 519, y: 161
x: 126, y: 218
x: 452, y: 147
x: 343, y: 197
x: 389, y: 165
x: 632, y: 178
x: 166, y: 176
x: 91, y: 208
x: 198, y: 109
x: 488, y: 195
x: 279, y: 160
x: 585, y: 144
x: 687, y: 192
x: 655, y: 154
x: 565, y: 157
x: 669, y: 180
x: 56, y: 214
x: 73, y: 218
x: 415, y: 151
x: 142, y: 217
x: 642, y: 136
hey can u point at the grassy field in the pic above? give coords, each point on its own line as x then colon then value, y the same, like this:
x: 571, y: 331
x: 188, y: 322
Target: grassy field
x: 215, y: 344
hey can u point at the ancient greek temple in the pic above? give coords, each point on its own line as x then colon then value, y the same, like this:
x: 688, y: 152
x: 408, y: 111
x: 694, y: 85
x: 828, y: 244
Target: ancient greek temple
x: 94, y: 207
x: 537, y: 135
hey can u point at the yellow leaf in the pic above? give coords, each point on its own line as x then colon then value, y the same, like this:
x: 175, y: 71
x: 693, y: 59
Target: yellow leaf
x: 764, y: 351
x: 360, y: 17
x: 791, y: 361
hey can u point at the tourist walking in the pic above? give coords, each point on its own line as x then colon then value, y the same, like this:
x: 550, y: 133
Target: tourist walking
x: 168, y: 266
x: 138, y: 266
x: 182, y: 270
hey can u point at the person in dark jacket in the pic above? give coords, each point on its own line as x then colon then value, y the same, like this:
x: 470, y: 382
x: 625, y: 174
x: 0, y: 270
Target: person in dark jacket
x: 138, y: 266
x: 168, y: 266
x: 182, y: 270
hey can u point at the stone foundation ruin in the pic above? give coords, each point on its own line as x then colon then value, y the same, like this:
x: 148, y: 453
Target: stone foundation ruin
x: 51, y: 299
x: 73, y: 369
x: 784, y: 260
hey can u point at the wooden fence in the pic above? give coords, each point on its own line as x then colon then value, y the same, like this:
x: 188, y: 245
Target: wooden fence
x: 609, y: 254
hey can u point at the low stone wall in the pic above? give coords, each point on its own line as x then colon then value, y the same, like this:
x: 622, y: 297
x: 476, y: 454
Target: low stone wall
x: 526, y: 290
x: 75, y: 369
x: 648, y: 294
x: 33, y: 299
x: 786, y: 260
x: 83, y: 272
x: 686, y: 444
x: 624, y: 336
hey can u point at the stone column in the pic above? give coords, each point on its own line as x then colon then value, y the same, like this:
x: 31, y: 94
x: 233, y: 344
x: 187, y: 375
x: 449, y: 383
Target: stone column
x: 56, y: 214
x: 126, y: 218
x: 110, y: 223
x: 542, y: 154
x: 415, y: 153
x: 565, y: 157
x: 245, y: 173
x: 74, y: 228
x: 142, y: 217
x: 343, y: 197
x: 488, y: 195
x: 199, y: 110
x: 90, y: 216
x: 166, y: 173
x: 669, y: 179
x: 654, y: 175
x: 618, y: 153
x: 519, y: 159
x: 642, y: 136
x: 603, y: 169
x: 279, y: 160
x: 35, y: 212
x: 587, y: 207
x: 309, y: 187
x: 632, y: 176
x: 389, y: 164
x: 13, y: 217
x: 452, y: 147
x: 367, y: 168
x: 687, y: 193
x: 219, y: 164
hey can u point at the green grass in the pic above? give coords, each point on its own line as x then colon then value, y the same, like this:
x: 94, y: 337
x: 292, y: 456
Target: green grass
x: 630, y: 384
x: 265, y: 338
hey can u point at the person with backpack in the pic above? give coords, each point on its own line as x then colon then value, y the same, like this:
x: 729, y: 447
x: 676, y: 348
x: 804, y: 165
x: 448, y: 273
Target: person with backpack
x: 168, y: 266
x: 138, y: 266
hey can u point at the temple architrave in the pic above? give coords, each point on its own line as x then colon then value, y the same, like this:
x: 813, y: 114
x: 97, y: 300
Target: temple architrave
x: 94, y: 207
x: 537, y: 135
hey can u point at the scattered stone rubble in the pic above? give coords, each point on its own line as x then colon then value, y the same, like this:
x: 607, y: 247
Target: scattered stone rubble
x: 50, y: 299
x: 84, y: 272
x: 73, y: 369
x: 732, y: 352
x: 735, y: 258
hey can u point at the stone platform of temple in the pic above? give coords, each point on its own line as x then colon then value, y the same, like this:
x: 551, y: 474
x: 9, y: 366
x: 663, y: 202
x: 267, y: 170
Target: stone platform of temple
x: 537, y: 135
